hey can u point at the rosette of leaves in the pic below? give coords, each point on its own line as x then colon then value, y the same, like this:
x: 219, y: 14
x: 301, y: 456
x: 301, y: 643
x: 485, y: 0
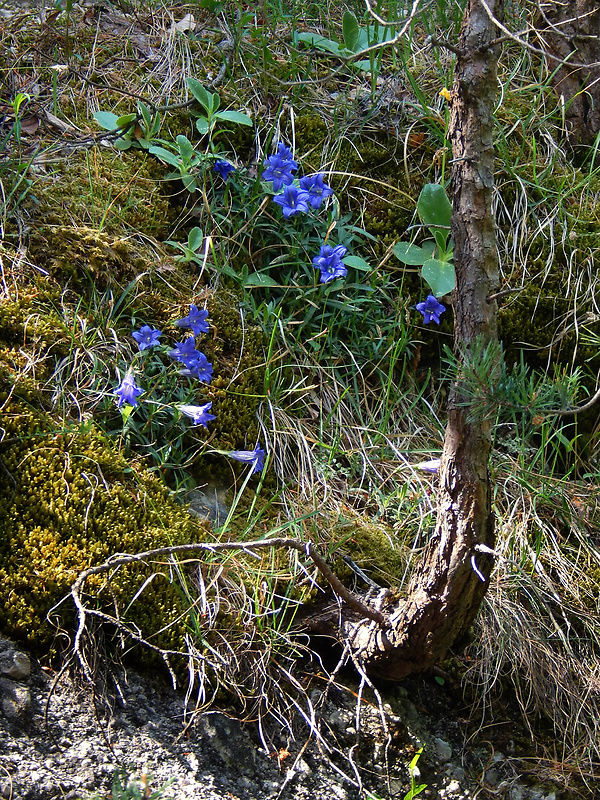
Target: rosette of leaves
x: 135, y: 129
x: 355, y: 39
x: 434, y: 256
x: 211, y: 102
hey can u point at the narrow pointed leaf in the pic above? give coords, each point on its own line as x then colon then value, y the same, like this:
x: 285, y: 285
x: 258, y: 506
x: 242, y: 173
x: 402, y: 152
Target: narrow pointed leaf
x: 234, y: 116
x: 200, y: 93
x: 165, y: 155
x: 350, y: 30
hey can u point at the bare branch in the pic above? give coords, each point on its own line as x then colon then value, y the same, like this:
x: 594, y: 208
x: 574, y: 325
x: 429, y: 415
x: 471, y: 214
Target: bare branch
x: 118, y: 560
x: 531, y: 47
x: 579, y: 409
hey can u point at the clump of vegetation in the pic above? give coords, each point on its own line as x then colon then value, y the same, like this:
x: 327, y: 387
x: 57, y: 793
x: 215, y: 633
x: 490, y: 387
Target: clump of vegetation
x: 69, y: 501
x: 279, y: 216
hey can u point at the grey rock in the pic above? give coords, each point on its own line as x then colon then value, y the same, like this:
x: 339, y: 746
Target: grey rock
x: 442, y: 750
x: 229, y: 740
x: 13, y: 663
x: 15, y: 699
x: 491, y: 776
x: 209, y: 502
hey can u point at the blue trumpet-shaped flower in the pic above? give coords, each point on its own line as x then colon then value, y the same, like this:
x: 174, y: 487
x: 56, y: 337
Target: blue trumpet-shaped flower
x: 279, y: 167
x: 196, y: 320
x: 292, y: 201
x: 255, y: 457
x: 431, y: 310
x: 316, y: 189
x: 329, y: 261
x: 223, y: 168
x: 199, y: 368
x: 185, y: 351
x: 198, y: 414
x: 128, y: 392
x: 147, y: 337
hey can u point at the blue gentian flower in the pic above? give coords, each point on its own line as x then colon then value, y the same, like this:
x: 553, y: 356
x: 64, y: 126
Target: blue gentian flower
x: 147, y: 337
x: 279, y: 167
x: 185, y: 351
x: 196, y: 320
x: 199, y: 368
x: 329, y: 261
x: 431, y: 310
x: 317, y: 190
x: 198, y: 414
x: 284, y: 152
x: 292, y: 201
x: 223, y: 168
x: 128, y: 391
x: 255, y: 457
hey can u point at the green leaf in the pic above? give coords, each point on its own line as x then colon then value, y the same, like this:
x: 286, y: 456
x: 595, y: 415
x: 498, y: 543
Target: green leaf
x: 189, y: 182
x: 260, y: 279
x: 165, y: 155
x: 145, y: 114
x: 356, y: 262
x: 123, y: 144
x: 215, y: 102
x: 321, y: 43
x: 126, y: 412
x: 364, y: 65
x: 106, y: 120
x: 125, y: 120
x: 202, y: 126
x: 200, y: 93
x: 415, y: 791
x: 195, y: 238
x: 378, y: 34
x: 433, y: 206
x: 186, y: 148
x: 413, y: 254
x: 234, y: 116
x: 350, y: 30
x: 440, y: 276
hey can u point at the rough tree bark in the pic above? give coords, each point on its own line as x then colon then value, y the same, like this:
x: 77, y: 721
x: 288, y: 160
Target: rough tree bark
x: 449, y: 584
x: 571, y: 30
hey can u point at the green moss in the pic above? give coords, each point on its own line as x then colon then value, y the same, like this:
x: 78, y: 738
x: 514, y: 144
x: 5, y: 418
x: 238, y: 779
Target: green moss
x: 373, y: 549
x: 108, y: 191
x: 68, y: 501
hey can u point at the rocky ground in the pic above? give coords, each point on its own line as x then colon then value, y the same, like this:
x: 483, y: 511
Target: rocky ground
x: 65, y: 743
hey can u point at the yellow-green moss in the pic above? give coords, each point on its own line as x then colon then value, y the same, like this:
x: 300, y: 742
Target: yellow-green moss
x: 68, y: 501
x: 372, y: 548
x: 106, y: 190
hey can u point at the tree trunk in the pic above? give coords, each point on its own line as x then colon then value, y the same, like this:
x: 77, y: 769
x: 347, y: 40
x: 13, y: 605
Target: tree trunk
x: 449, y: 584
x: 571, y: 30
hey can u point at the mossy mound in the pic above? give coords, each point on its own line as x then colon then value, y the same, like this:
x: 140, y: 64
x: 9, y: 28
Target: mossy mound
x: 236, y: 350
x: 107, y: 190
x: 68, y: 501
x: 85, y: 258
x: 373, y: 549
